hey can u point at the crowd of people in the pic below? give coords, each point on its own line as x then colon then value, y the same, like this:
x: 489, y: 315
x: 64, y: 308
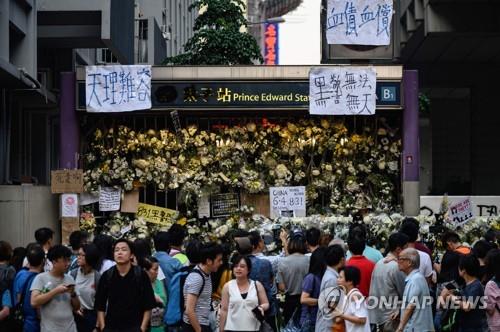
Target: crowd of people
x: 316, y: 283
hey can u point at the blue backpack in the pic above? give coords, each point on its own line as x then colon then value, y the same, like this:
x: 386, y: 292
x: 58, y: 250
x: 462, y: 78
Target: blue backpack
x: 175, y: 305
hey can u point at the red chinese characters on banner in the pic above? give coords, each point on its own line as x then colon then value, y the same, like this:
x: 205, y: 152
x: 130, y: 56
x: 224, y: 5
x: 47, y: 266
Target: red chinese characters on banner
x: 271, y: 46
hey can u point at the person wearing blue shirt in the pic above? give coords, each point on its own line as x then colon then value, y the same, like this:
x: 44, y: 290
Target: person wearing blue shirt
x: 416, y: 310
x: 22, y: 285
x: 262, y: 271
x: 168, y: 264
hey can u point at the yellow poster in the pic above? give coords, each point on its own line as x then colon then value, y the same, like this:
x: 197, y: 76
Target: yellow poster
x: 156, y: 214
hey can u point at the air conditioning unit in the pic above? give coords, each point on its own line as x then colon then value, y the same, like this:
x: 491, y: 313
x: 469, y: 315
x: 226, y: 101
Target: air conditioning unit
x: 165, y: 30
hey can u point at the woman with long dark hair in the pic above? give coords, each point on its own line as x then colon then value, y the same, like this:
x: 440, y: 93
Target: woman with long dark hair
x: 310, y: 289
x: 105, y: 245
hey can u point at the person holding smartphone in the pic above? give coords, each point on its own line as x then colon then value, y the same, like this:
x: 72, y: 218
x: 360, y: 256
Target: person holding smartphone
x: 244, y: 301
x: 54, y: 293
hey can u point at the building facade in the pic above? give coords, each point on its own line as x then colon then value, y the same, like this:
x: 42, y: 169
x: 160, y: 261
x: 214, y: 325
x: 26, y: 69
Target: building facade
x: 40, y: 40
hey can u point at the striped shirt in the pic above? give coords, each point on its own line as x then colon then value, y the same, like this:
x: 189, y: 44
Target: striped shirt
x: 193, y: 285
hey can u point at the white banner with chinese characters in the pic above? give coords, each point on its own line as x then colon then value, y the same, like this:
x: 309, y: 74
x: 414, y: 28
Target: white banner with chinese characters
x: 360, y: 22
x: 342, y: 90
x: 118, y: 88
x: 287, y: 201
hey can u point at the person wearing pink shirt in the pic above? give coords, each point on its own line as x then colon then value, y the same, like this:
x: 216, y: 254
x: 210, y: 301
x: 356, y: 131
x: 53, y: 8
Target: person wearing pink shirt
x: 492, y: 290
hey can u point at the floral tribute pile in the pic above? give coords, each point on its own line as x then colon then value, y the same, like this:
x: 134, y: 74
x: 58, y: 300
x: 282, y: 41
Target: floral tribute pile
x: 343, y: 171
x: 379, y: 226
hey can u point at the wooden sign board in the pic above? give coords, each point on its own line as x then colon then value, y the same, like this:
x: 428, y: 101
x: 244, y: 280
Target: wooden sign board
x: 66, y: 181
x: 68, y: 226
x: 260, y: 202
x: 130, y: 201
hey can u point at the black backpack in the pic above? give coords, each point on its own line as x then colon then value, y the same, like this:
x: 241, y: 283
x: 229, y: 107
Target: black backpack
x: 7, y: 275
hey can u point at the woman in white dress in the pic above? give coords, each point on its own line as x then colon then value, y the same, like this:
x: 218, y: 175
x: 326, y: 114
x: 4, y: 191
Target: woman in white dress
x: 243, y: 300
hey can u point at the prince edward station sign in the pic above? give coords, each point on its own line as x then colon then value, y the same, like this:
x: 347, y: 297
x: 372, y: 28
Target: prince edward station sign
x: 227, y: 92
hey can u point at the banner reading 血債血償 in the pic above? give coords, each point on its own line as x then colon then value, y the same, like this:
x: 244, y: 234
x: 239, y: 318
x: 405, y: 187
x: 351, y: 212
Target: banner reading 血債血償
x: 118, y: 88
x: 361, y: 22
x: 342, y: 91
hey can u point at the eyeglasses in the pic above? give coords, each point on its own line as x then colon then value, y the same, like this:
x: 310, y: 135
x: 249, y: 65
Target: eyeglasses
x: 403, y: 259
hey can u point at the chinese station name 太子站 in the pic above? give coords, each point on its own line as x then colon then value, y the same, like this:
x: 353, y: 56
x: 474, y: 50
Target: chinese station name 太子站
x: 297, y: 97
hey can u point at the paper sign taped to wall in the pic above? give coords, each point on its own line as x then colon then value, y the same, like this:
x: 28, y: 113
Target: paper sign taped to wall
x: 69, y: 205
x: 109, y: 199
x: 66, y: 181
x: 156, y: 214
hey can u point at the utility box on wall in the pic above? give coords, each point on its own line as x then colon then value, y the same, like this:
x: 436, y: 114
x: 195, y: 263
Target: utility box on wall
x: 24, y: 209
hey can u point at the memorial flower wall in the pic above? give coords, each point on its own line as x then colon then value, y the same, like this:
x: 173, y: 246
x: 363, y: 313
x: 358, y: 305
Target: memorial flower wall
x: 343, y: 171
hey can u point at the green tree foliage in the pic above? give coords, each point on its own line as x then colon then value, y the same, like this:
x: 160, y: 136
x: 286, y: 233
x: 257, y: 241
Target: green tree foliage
x: 217, y: 38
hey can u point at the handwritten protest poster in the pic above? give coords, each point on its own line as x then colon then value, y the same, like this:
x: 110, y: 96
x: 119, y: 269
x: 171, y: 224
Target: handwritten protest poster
x: 109, y: 199
x: 287, y: 201
x: 461, y: 212
x: 342, y: 90
x: 69, y: 205
x: 66, y: 181
x: 156, y: 214
x: 360, y: 22
x: 118, y: 88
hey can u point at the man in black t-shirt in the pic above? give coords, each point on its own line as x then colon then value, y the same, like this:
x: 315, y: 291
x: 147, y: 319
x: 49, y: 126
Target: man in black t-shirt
x: 124, y: 297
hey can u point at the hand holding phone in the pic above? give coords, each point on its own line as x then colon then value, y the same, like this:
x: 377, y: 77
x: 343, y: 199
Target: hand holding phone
x: 258, y: 314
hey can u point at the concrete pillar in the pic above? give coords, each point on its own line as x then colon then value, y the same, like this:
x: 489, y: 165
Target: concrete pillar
x: 69, y: 128
x: 4, y: 30
x: 411, y: 148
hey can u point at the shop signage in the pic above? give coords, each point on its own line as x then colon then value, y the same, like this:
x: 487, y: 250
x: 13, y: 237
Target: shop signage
x: 342, y: 91
x: 287, y: 201
x: 243, y: 95
x: 361, y: 22
x: 271, y: 44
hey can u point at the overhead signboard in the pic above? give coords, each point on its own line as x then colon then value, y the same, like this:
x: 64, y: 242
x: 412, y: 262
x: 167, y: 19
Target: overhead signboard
x: 248, y: 95
x: 271, y: 44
